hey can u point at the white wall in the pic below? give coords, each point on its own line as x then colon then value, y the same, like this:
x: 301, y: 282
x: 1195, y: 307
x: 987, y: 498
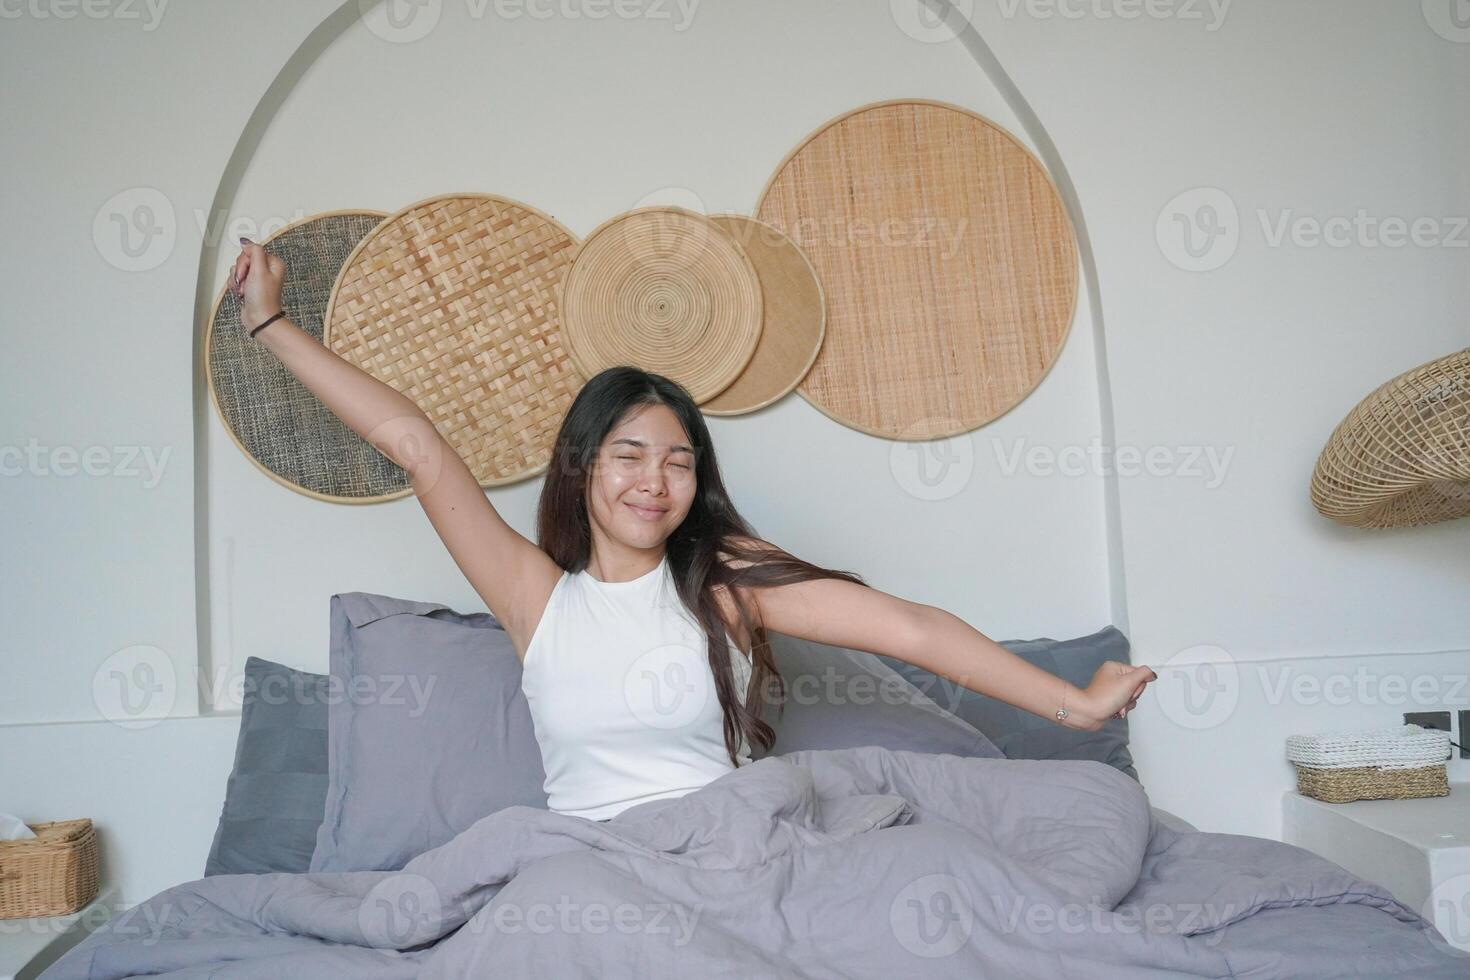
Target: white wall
x: 1321, y: 107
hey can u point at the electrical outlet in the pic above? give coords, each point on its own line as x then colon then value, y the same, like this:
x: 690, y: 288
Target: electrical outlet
x: 1464, y: 727
x: 1428, y: 719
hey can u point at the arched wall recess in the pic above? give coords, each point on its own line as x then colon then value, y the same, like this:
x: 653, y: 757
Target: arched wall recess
x: 348, y: 14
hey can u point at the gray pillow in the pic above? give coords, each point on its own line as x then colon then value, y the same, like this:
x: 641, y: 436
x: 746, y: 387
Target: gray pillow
x: 1023, y: 735
x: 431, y: 733
x: 278, y: 785
x: 838, y: 698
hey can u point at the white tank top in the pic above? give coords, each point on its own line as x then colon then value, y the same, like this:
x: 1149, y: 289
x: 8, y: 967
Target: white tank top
x: 622, y: 697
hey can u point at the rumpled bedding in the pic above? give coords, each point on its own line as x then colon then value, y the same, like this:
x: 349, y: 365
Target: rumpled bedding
x: 846, y: 863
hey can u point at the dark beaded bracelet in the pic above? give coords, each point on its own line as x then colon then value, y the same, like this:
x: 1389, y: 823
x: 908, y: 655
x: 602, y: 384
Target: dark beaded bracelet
x: 267, y: 323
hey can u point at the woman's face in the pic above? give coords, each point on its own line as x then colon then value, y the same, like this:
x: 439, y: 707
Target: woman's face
x: 642, y: 483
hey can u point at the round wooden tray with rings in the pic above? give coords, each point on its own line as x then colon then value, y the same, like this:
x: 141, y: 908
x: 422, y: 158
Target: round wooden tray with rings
x: 667, y: 290
x: 453, y: 302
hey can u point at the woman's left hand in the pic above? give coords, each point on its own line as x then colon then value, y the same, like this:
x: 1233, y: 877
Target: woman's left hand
x: 1115, y: 688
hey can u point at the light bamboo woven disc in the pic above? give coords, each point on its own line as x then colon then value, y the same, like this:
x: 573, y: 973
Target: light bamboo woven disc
x: 1401, y: 457
x: 948, y: 262
x: 666, y: 290
x: 793, y: 312
x: 273, y: 418
x: 452, y: 301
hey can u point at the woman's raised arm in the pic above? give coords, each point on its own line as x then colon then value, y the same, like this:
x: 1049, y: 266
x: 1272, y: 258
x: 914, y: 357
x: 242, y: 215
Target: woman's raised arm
x: 507, y: 570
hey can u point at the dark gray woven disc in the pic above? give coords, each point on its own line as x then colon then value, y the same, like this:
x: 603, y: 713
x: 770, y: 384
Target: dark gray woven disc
x: 275, y: 420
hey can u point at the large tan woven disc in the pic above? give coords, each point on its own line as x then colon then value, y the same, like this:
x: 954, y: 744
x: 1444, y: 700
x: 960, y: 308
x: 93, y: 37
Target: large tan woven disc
x: 666, y: 290
x: 1401, y: 457
x: 272, y: 417
x: 452, y: 301
x: 793, y: 313
x: 948, y: 262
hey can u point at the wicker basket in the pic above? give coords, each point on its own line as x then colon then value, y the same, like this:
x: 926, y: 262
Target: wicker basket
x: 1400, y: 763
x: 53, y: 873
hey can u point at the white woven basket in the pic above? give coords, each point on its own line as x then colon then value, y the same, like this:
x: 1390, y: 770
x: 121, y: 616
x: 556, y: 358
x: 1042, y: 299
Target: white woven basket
x: 1399, y: 747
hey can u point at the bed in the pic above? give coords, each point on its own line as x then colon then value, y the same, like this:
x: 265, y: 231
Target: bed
x: 890, y: 838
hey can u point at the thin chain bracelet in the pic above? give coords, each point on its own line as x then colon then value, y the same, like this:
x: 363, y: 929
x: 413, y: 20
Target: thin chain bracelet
x: 1062, y: 711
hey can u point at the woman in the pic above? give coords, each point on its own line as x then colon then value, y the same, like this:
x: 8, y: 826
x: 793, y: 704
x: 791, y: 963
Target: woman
x: 648, y: 592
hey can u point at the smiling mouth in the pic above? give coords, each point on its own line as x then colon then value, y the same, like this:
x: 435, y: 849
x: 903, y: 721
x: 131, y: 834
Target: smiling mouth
x: 647, y: 511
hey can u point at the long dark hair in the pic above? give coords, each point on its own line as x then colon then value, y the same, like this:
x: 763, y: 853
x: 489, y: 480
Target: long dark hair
x: 699, y: 550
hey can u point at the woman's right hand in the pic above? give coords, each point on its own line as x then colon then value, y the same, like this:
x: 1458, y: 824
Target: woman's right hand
x: 256, y: 280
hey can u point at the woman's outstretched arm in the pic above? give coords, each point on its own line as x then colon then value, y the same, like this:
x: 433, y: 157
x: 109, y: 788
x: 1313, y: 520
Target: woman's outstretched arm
x: 858, y: 617
x: 505, y: 569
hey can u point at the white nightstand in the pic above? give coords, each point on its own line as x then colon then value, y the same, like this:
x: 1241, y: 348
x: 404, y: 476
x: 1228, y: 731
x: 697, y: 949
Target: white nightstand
x: 28, y: 946
x: 1418, y: 849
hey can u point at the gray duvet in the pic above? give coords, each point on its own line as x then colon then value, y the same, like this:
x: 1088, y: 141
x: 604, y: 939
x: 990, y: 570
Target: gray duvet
x: 844, y: 863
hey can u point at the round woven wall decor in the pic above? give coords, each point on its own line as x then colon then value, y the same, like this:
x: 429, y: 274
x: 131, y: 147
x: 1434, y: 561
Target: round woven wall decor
x: 793, y: 313
x: 276, y: 422
x: 667, y: 290
x: 1401, y: 457
x: 948, y: 262
x: 453, y: 302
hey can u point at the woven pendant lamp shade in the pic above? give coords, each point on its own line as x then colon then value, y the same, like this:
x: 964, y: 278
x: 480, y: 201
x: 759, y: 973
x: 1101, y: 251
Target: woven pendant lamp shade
x: 452, y: 301
x: 666, y: 290
x: 947, y: 259
x: 272, y: 417
x: 1402, y: 455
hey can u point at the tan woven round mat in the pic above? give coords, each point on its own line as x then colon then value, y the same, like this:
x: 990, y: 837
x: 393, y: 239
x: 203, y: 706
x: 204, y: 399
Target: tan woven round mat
x: 453, y: 302
x: 276, y: 422
x: 1401, y: 457
x: 667, y: 290
x: 793, y: 312
x: 948, y: 262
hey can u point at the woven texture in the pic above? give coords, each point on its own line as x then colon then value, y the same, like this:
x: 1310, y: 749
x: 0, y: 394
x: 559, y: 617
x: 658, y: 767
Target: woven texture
x: 452, y: 301
x: 273, y: 418
x: 794, y: 314
x: 1402, y: 455
x: 1398, y: 746
x: 53, y: 873
x: 947, y: 259
x: 1369, y: 783
x: 666, y: 290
